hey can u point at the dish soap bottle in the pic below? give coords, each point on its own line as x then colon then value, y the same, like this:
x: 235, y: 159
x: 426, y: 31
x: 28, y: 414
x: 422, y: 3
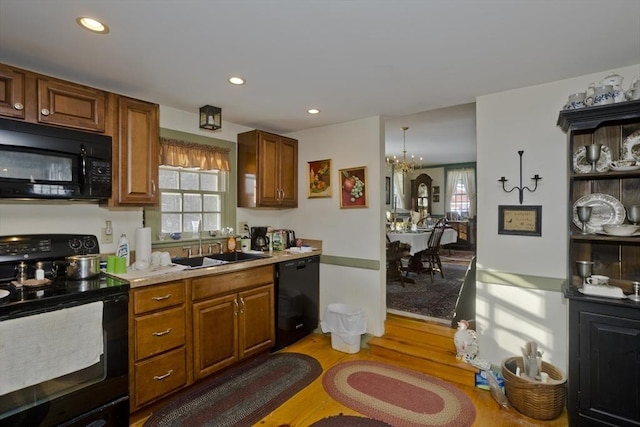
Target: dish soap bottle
x: 123, y: 248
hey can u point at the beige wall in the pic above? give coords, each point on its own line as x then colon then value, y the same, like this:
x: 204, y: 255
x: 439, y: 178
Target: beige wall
x: 511, y: 306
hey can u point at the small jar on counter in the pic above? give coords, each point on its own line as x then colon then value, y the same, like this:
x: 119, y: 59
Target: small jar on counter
x: 39, y: 270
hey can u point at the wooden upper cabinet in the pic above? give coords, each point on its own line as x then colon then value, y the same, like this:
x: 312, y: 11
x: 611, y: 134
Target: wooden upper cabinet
x: 67, y: 104
x: 12, y: 92
x: 37, y: 98
x: 136, y: 133
x: 267, y: 170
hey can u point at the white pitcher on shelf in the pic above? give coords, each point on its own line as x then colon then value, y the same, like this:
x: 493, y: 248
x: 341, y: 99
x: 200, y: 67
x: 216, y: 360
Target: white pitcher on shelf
x: 615, y: 80
x: 633, y: 93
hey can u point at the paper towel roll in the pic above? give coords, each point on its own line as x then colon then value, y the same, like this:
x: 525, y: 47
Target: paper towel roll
x: 143, y: 244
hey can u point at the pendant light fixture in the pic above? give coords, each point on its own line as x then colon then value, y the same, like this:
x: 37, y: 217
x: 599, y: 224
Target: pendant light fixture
x: 405, y: 166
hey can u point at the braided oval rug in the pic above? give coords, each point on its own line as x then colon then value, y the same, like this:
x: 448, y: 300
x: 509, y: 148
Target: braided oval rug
x: 241, y: 396
x: 398, y: 396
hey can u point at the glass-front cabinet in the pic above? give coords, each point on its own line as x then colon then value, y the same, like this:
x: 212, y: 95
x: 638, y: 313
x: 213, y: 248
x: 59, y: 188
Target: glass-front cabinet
x: 604, y: 319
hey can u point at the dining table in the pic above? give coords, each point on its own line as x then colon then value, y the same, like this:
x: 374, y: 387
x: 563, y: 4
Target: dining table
x: 419, y: 240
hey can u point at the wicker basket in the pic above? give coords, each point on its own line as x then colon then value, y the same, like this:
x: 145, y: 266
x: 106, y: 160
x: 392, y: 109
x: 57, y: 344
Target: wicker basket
x: 542, y: 401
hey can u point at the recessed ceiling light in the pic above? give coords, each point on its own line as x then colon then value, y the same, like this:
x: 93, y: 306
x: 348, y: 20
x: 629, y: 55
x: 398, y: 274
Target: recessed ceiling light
x: 92, y: 25
x: 236, y: 80
x: 313, y: 111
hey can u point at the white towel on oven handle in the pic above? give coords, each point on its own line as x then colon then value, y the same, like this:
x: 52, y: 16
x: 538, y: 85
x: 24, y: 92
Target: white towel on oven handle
x: 38, y: 348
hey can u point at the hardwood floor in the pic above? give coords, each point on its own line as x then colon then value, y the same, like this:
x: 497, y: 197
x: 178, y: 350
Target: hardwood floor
x: 313, y: 403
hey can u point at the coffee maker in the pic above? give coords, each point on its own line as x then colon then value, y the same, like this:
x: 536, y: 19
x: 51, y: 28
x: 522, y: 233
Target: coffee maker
x: 259, y: 239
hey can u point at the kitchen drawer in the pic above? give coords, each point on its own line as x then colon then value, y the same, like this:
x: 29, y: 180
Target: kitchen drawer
x: 158, y: 332
x: 158, y: 297
x: 219, y: 284
x: 160, y: 375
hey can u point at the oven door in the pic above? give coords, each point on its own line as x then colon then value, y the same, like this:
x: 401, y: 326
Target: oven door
x: 82, y: 397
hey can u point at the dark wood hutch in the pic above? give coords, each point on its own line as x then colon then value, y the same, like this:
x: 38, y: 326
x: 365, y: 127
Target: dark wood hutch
x: 604, y: 333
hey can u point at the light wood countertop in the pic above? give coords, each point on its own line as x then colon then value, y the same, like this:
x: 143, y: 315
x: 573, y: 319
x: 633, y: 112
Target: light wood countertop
x: 268, y: 259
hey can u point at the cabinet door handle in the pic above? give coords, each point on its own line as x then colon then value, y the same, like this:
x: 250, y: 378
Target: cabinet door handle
x: 45, y: 112
x: 18, y: 106
x: 167, y: 296
x: 235, y: 303
x: 153, y: 187
x: 242, y: 306
x: 159, y: 334
x: 161, y: 377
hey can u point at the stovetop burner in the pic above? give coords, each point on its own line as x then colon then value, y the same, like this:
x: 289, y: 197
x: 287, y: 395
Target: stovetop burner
x: 62, y: 291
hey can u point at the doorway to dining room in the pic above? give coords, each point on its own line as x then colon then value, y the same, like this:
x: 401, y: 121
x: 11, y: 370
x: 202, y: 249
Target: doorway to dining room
x: 433, y: 300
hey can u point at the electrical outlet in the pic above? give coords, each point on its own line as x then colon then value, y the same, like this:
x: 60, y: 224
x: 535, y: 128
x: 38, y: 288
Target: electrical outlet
x: 106, y: 238
x: 243, y: 228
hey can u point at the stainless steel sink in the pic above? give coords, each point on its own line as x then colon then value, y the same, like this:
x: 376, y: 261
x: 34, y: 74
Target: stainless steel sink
x: 216, y: 259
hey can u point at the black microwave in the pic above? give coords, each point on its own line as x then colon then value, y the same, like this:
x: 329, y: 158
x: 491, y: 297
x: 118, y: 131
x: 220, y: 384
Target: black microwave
x: 45, y: 162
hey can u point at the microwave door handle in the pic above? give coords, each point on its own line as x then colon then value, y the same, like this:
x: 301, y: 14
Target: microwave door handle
x: 83, y: 168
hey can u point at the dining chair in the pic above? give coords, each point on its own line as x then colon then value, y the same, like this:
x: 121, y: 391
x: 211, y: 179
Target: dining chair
x: 396, y: 253
x: 430, y: 257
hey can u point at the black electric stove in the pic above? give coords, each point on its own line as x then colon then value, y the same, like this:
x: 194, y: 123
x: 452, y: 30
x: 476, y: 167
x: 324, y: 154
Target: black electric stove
x: 61, y: 292
x: 92, y: 395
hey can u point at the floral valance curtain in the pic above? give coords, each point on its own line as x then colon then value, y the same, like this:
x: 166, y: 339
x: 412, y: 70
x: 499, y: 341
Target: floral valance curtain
x: 191, y: 155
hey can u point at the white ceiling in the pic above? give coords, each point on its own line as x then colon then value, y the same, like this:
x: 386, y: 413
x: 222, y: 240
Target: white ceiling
x: 352, y: 59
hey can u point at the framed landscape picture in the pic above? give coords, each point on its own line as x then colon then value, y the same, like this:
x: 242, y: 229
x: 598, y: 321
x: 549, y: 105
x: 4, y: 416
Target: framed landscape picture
x: 319, y: 179
x: 353, y: 187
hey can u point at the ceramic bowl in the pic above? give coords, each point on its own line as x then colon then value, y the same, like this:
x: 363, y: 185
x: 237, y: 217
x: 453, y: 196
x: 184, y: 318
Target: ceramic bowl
x: 621, y: 230
x: 175, y: 236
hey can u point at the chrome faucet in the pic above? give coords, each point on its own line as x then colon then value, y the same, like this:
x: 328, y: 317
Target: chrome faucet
x: 200, y: 238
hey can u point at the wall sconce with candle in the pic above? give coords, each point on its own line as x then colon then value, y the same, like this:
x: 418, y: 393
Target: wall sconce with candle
x: 521, y: 189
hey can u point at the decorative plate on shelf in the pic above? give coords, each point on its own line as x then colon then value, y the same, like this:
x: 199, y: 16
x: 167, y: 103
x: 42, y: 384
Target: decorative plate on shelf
x: 581, y: 165
x: 625, y: 168
x: 604, y: 233
x: 631, y: 146
x: 606, y: 209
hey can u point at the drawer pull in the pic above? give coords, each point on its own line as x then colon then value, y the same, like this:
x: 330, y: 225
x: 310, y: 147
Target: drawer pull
x: 161, y: 377
x: 167, y: 296
x: 159, y: 334
x: 18, y: 106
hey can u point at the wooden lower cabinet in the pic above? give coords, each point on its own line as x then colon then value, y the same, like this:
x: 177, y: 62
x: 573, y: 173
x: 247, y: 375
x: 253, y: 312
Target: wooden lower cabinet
x: 158, y: 351
x: 231, y: 327
x: 159, y: 376
x: 184, y: 331
x: 604, y: 362
x: 215, y: 331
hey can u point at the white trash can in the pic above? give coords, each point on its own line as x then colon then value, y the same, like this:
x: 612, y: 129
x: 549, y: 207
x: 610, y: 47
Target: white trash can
x: 346, y: 324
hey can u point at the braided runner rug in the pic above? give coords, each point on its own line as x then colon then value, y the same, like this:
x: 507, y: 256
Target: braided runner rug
x: 398, y: 396
x: 241, y: 396
x: 349, y: 421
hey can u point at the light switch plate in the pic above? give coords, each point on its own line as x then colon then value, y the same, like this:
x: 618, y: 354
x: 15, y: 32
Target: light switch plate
x: 106, y: 238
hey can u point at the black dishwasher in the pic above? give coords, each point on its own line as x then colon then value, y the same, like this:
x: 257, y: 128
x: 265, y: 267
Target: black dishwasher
x: 297, y: 299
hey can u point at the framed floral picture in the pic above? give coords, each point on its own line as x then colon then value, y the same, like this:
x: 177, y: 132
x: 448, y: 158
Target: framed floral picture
x: 353, y: 187
x: 319, y: 173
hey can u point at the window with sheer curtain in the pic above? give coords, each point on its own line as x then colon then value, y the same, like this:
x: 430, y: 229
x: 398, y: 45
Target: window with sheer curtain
x: 461, y: 192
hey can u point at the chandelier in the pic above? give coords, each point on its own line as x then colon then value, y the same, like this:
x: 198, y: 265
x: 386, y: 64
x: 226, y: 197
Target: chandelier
x: 405, y: 166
